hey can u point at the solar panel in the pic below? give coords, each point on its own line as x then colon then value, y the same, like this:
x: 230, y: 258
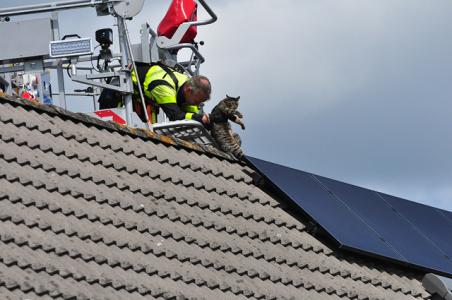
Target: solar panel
x: 431, y: 223
x: 389, y: 224
x: 447, y: 214
x: 367, y: 221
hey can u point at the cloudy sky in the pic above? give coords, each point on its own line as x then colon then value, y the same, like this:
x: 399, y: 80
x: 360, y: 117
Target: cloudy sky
x: 355, y: 90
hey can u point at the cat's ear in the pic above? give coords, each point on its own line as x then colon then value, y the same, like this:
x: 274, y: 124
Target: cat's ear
x: 238, y: 98
x: 227, y: 96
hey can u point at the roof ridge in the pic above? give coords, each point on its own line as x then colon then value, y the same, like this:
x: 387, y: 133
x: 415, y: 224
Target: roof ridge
x: 144, y: 134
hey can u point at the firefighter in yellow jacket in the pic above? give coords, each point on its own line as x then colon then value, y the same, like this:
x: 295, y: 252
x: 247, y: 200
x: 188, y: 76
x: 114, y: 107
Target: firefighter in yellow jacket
x: 178, y: 95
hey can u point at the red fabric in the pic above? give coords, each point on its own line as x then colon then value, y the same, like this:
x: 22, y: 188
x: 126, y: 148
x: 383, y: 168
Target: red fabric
x: 27, y: 95
x: 138, y: 108
x: 180, y: 11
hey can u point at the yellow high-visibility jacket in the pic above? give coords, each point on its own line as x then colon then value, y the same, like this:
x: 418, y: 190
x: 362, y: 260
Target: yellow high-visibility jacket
x: 163, y: 86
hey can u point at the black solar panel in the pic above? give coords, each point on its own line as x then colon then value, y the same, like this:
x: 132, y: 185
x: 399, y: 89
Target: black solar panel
x: 367, y: 221
x: 432, y: 223
x: 448, y: 215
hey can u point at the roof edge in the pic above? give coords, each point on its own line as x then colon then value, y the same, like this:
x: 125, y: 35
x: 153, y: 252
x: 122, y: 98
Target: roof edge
x: 144, y: 134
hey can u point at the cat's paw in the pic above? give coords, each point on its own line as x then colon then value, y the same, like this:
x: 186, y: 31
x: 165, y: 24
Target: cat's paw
x: 240, y: 122
x: 239, y: 114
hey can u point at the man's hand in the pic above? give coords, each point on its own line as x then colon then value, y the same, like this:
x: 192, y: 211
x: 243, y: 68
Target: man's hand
x: 205, y: 119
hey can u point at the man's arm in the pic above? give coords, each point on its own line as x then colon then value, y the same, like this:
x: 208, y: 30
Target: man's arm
x: 173, y: 112
x: 166, y: 99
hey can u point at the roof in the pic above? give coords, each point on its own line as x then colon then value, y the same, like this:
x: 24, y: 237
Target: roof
x: 92, y: 210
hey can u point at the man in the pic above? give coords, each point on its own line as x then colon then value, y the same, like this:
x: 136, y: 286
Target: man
x: 178, y: 95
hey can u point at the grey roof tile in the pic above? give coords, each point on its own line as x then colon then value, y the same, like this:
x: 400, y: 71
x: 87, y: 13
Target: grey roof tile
x: 44, y: 285
x: 93, y: 231
x: 16, y: 294
x: 86, y: 171
x: 92, y: 211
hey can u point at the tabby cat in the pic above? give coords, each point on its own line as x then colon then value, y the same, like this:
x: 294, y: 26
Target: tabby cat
x: 222, y: 113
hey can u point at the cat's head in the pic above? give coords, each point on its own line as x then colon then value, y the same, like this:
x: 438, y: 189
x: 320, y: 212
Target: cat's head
x: 231, y: 102
x: 232, y: 98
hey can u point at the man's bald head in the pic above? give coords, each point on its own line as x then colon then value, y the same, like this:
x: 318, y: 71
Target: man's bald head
x: 198, y: 90
x: 201, y: 84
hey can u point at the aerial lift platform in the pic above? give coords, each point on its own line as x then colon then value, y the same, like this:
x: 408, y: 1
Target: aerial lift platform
x: 26, y: 67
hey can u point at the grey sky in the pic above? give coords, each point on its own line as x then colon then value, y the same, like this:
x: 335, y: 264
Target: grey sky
x: 356, y: 90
